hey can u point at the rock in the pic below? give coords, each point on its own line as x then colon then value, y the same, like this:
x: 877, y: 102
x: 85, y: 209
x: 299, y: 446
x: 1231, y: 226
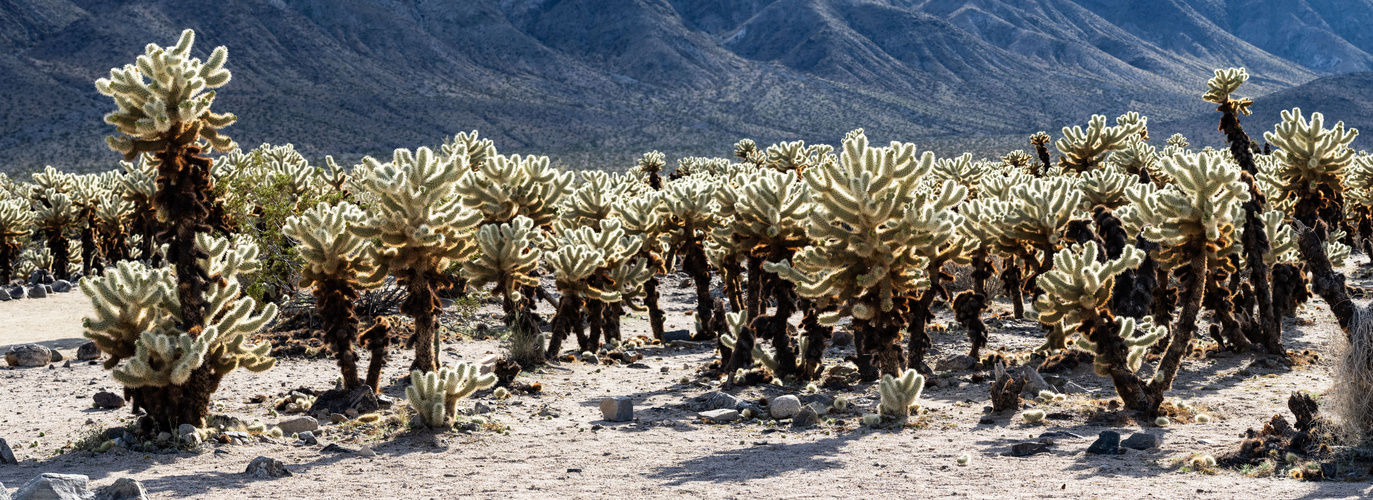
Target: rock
x: 723, y: 401
x: 263, y: 467
x: 488, y: 363
x: 805, y: 418
x: 6, y: 454
x: 842, y: 338
x: 108, y: 400
x: 784, y: 407
x: 298, y: 424
x: 37, y: 276
x: 28, y: 355
x: 87, y: 352
x: 363, y: 399
x: 47, y: 289
x: 335, y: 448
x: 338, y: 418
x: 50, y: 486
x: 56, y: 355
x: 1072, y: 388
x: 308, y: 437
x: 123, y: 489
x: 38, y: 292
x: 1107, y: 443
x: 1141, y: 441
x: 818, y: 408
x: 1027, y: 449
x: 820, y: 399
x: 676, y: 335
x: 955, y: 363
x: 385, y: 402
x: 4, y: 297
x: 366, y: 451
x: 719, y: 416
x: 16, y: 292
x: 617, y: 409
x: 481, y: 408
x: 61, y: 286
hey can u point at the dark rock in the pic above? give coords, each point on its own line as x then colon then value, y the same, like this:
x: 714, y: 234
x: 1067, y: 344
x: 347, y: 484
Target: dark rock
x: 88, y: 351
x: 1107, y: 443
x: 108, y: 400
x: 723, y: 401
x: 676, y: 335
x: 842, y: 338
x: 28, y: 355
x: 4, y: 297
x: 16, y: 292
x: 50, y: 486
x: 1027, y: 449
x: 61, y: 286
x: 806, y: 418
x: 122, y: 489
x: 1141, y: 441
x: 56, y: 355
x: 39, y: 276
x: 308, y: 438
x: 335, y: 448
x: 955, y: 363
x: 617, y: 409
x: 37, y: 292
x: 824, y: 400
x: 362, y: 399
x: 263, y: 467
x: 6, y: 454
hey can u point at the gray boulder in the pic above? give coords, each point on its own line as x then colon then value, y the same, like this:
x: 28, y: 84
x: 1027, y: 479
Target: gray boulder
x: 37, y: 292
x: 6, y: 454
x: 719, y: 416
x: 61, y: 286
x: 108, y: 400
x: 299, y: 424
x: 50, y: 486
x: 28, y: 355
x: 16, y: 292
x: 88, y: 351
x: 784, y: 406
x: 617, y: 409
x: 263, y: 467
x: 1140, y: 441
x: 122, y: 489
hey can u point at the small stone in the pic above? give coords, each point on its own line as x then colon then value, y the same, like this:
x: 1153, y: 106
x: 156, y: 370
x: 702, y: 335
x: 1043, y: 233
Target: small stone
x: 88, y: 352
x: 335, y: 448
x: 164, y: 437
x: 56, y: 355
x: 955, y: 363
x: 482, y: 408
x: 61, y: 286
x: 676, y: 335
x: 842, y: 338
x: 50, y: 486
x: 819, y: 409
x: 1107, y: 443
x: 28, y: 355
x: 784, y: 407
x: 488, y: 363
x: 338, y: 418
x: 719, y: 416
x: 38, y: 292
x: 1027, y: 449
x: 307, y: 437
x: 108, y: 400
x: 16, y: 292
x: 366, y: 451
x: 1072, y: 388
x: 1141, y: 441
x: 385, y: 402
x: 47, y: 288
x: 123, y: 489
x: 617, y: 409
x: 722, y: 401
x: 662, y: 370
x: 6, y: 454
x: 820, y: 399
x: 298, y: 424
x: 68, y: 364
x: 263, y: 467
x: 805, y: 418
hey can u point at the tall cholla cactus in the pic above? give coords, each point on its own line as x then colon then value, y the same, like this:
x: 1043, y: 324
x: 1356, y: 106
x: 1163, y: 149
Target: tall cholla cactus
x: 1084, y: 150
x: 1312, y: 160
x: 1040, y: 141
x: 1036, y: 215
x: 599, y: 270
x: 171, y: 370
x: 868, y: 267
x: 690, y: 209
x: 112, y: 216
x: 87, y: 192
x: 337, y: 263
x: 899, y: 394
x: 55, y: 216
x: 650, y: 167
x: 435, y: 395
x: 15, y: 220
x: 508, y: 257
x: 643, y: 217
x: 423, y: 229
x: 163, y: 100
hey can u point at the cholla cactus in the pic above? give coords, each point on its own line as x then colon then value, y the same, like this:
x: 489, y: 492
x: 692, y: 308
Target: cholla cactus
x: 1040, y: 141
x: 87, y: 192
x: 796, y: 156
x: 643, y: 216
x: 337, y: 263
x: 1133, y: 119
x: 169, y: 365
x: 745, y: 150
x: 1018, y: 160
x: 1140, y: 160
x: 650, y: 167
x: 55, y: 216
x: 15, y: 225
x: 34, y: 259
x: 599, y: 269
x: 870, y: 266
x: 112, y: 216
x: 1105, y: 187
x: 163, y: 100
x: 435, y: 395
x: 506, y: 187
x: 477, y: 150
x: 423, y: 229
x: 899, y: 394
x: 690, y: 216
x: 1312, y: 160
x: 1078, y: 288
x: 1038, y: 211
x: 1084, y: 150
x: 508, y: 257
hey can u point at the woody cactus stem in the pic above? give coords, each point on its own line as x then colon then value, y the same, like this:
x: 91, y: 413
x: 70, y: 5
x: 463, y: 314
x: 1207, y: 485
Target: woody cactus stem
x: 1040, y: 141
x: 377, y: 338
x: 698, y: 267
x: 655, y: 313
x: 816, y: 335
x: 1012, y: 282
x: 334, y: 297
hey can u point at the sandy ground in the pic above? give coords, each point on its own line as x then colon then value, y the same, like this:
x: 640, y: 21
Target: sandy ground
x: 558, y: 446
x: 54, y: 322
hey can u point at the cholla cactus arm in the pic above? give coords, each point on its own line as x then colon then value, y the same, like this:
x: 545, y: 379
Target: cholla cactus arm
x: 165, y: 98
x: 507, y: 256
x: 435, y: 395
x: 899, y: 394
x: 1200, y: 209
x: 1104, y: 187
x: 650, y: 168
x: 1084, y: 150
x: 1078, y: 288
x: 129, y: 300
x: 689, y: 215
x: 1039, y: 211
x: 1312, y: 160
x: 1282, y: 239
x: 1134, y: 119
x: 507, y: 187
x: 477, y: 150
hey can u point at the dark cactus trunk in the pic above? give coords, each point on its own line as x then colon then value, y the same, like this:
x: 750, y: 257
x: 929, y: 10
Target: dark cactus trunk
x: 696, y: 266
x: 377, y: 338
x: 423, y: 306
x: 655, y: 312
x: 334, y: 298
x: 816, y: 336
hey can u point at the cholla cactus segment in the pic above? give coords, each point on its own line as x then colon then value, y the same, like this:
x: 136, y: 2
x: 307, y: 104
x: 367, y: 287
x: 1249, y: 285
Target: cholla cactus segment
x: 435, y: 395
x: 1039, y: 209
x: 1104, y: 187
x: 795, y: 156
x: 1018, y: 159
x: 165, y: 98
x: 962, y: 170
x: 1177, y: 141
x: 475, y: 151
x: 418, y: 217
x: 56, y: 212
x: 595, y: 199
x: 34, y: 259
x: 51, y: 179
x: 1282, y: 239
x: 1200, y: 209
x: 1132, y: 119
x: 1084, y: 150
x: 1136, y: 344
x: 137, y: 317
x: 1079, y: 285
x: 329, y: 246
x: 1310, y: 155
x: 508, y: 254
x: 766, y: 212
x: 693, y: 165
x: 899, y: 394
x: 15, y: 220
x: 506, y: 187
x: 1226, y: 82
x: 571, y: 265
x: 863, y: 264
x: 735, y: 322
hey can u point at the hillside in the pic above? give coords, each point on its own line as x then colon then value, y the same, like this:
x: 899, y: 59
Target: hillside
x: 596, y: 82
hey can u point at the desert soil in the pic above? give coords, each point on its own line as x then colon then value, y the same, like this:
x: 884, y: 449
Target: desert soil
x: 556, y: 444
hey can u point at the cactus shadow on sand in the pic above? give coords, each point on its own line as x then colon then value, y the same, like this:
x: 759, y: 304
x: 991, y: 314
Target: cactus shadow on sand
x: 729, y: 465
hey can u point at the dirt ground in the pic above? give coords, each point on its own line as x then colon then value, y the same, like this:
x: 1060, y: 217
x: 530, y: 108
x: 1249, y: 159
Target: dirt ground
x: 556, y: 444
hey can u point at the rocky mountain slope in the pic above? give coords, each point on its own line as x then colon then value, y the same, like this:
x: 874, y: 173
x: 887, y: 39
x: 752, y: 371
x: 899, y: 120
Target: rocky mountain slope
x: 596, y: 82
